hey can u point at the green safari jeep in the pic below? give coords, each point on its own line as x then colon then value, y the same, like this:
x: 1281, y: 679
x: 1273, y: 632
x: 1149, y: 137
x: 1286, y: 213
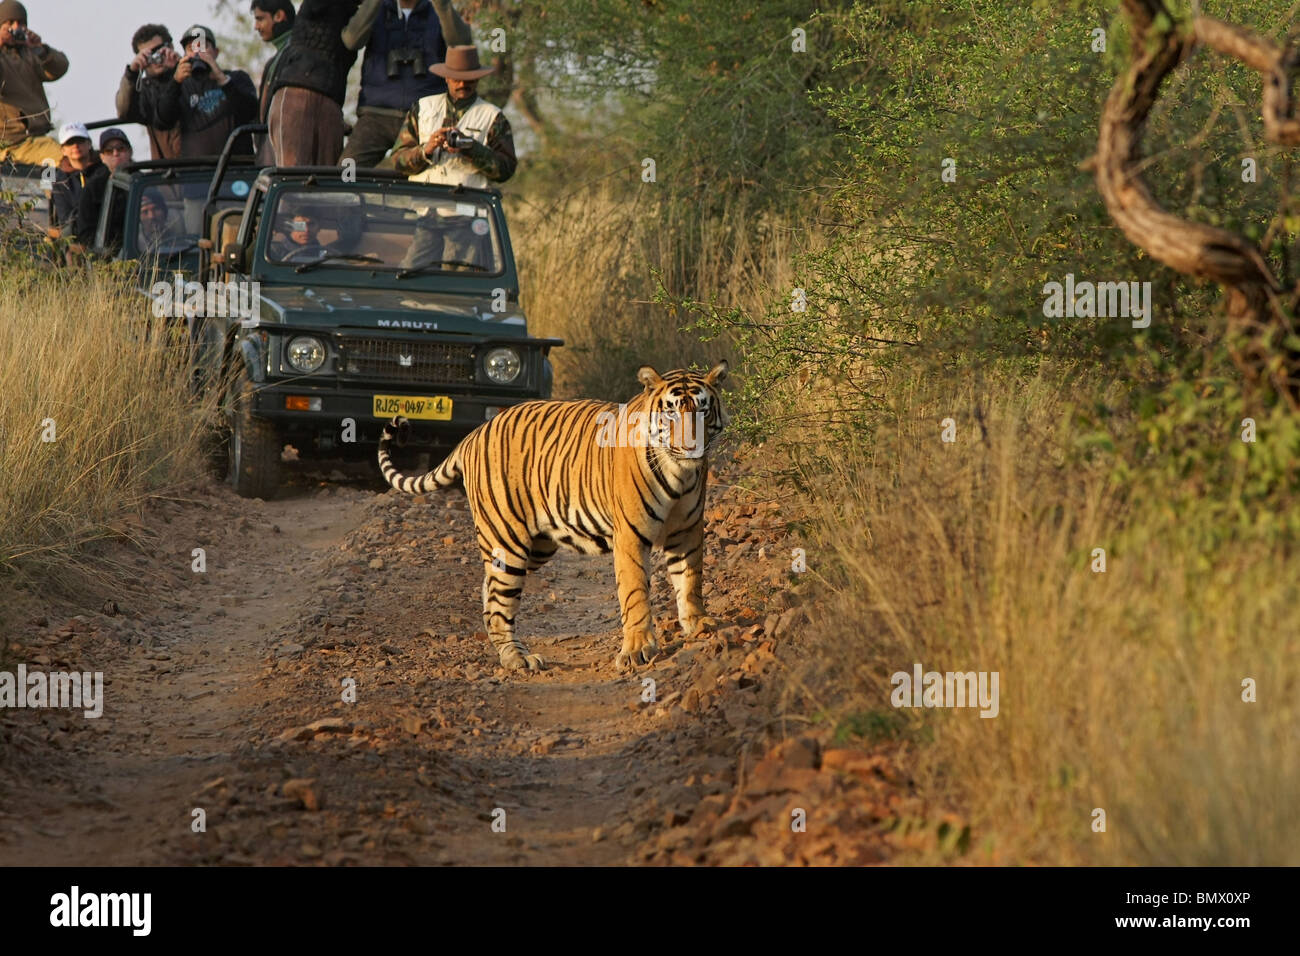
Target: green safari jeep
x: 339, y: 304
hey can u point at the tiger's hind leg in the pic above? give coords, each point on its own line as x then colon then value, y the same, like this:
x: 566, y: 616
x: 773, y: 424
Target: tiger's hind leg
x: 503, y: 583
x: 684, y: 549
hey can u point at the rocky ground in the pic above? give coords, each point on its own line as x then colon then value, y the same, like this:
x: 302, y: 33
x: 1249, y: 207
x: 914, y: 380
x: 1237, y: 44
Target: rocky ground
x: 225, y: 703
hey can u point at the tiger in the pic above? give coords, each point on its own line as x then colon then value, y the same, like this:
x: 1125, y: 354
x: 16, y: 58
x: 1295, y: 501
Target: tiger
x: 591, y: 477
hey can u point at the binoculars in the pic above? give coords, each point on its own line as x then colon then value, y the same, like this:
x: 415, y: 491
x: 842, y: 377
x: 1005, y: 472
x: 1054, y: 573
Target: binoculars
x: 397, y: 57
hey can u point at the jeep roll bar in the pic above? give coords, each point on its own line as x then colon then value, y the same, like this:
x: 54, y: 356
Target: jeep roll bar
x: 223, y: 162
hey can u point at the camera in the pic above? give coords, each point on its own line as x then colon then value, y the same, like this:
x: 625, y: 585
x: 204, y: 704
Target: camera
x: 19, y: 34
x: 457, y: 140
x: 199, y: 67
x: 159, y: 56
x: 405, y: 55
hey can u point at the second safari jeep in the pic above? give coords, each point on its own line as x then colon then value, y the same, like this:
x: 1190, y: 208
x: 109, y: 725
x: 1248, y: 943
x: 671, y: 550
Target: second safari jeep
x: 341, y: 304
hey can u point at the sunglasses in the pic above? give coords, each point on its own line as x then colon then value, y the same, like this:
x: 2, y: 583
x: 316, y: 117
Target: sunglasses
x: 115, y: 149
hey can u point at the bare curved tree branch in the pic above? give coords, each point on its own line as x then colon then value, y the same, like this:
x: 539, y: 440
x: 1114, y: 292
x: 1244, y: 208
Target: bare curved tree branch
x: 1258, y: 324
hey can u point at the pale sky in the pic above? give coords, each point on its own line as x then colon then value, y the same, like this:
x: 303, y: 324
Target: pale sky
x: 96, y: 36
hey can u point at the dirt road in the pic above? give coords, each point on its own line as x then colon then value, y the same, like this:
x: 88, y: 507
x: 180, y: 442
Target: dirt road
x: 314, y: 687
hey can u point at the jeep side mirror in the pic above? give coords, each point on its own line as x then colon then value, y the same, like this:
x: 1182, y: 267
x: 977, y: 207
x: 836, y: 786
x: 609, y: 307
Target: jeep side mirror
x: 233, y: 255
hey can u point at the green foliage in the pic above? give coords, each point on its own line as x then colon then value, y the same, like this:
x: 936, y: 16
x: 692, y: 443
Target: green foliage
x: 872, y: 726
x: 26, y: 255
x: 1182, y: 452
x: 953, y: 272
x: 716, y: 96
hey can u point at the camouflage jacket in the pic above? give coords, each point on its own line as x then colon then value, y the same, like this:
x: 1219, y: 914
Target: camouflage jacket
x: 496, y: 160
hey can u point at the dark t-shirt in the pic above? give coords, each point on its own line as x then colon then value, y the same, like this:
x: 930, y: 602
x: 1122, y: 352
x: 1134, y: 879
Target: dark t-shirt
x: 206, y: 112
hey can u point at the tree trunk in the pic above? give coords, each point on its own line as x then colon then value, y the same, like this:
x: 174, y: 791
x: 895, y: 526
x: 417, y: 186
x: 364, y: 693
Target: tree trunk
x: 1257, y: 320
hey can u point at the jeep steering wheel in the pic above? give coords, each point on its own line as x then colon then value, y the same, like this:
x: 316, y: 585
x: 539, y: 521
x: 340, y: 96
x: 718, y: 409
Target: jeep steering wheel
x: 320, y: 253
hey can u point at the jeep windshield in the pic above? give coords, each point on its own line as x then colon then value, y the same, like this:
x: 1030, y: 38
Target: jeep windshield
x: 170, y: 217
x: 398, y: 228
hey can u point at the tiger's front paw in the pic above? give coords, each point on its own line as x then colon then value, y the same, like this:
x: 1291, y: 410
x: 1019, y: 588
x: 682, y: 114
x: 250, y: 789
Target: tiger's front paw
x: 638, y: 648
x: 515, y: 659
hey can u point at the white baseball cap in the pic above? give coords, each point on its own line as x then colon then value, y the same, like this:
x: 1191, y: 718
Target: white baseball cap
x: 72, y: 131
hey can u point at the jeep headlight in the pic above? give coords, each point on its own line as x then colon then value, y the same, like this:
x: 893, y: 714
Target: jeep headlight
x: 502, y: 365
x: 306, y: 353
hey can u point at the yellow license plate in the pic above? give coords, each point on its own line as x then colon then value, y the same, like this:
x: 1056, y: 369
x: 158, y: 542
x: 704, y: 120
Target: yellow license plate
x: 435, y: 408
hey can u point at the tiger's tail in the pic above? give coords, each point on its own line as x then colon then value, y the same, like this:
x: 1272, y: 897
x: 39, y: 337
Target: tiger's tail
x: 444, y: 476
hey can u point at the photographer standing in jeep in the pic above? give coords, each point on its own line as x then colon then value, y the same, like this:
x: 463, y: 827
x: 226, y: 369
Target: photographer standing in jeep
x: 26, y: 65
x: 204, y: 101
x: 147, y: 77
x: 402, y: 39
x: 456, y: 137
x: 273, y: 21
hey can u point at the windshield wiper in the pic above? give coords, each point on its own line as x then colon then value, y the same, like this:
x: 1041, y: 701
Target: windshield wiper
x: 428, y: 266
x: 333, y: 256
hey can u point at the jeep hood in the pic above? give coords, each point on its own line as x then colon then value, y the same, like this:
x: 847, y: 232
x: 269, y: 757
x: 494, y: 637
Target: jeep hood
x: 412, y: 310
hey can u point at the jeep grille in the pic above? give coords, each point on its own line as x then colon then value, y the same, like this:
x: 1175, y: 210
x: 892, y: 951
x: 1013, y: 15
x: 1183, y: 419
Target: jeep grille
x: 392, y: 360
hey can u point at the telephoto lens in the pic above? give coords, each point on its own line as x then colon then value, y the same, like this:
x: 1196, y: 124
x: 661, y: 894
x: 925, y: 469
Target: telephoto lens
x: 200, y: 66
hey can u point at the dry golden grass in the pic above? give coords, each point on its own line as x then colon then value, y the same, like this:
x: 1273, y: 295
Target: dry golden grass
x: 1119, y: 690
x: 588, y: 267
x: 75, y: 351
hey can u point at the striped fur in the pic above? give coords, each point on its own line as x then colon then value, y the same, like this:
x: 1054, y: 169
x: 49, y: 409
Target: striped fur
x: 545, y: 475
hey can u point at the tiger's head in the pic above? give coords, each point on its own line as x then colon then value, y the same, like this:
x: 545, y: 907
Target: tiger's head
x: 684, y: 409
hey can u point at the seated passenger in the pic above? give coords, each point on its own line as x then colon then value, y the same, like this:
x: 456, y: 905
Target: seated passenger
x: 157, y: 231
x: 79, y: 185
x: 301, y: 243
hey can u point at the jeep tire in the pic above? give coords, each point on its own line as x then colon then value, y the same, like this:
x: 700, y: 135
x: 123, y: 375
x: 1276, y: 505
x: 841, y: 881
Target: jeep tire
x: 255, y: 445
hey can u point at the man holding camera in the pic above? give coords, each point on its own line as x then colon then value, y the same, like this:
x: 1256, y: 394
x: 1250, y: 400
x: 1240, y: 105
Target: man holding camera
x: 26, y: 65
x: 203, y: 100
x: 146, y: 79
x: 401, y: 37
x: 455, y: 137
x: 301, y: 239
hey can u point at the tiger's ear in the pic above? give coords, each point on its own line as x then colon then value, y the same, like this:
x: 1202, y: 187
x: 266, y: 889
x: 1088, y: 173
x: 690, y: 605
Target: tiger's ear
x: 717, y: 374
x: 648, y: 377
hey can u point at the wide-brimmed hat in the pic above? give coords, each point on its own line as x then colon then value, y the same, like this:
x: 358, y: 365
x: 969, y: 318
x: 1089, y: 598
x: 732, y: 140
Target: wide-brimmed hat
x: 461, y: 64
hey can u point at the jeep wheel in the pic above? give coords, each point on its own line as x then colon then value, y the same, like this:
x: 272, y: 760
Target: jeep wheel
x: 255, y: 445
x: 216, y: 450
